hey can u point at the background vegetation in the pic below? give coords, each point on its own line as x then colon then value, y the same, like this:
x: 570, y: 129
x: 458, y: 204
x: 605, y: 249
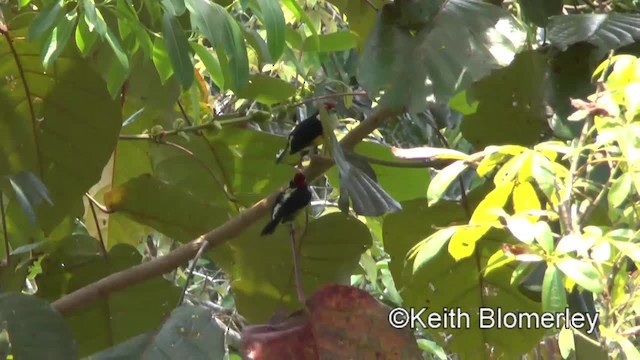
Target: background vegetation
x: 506, y: 130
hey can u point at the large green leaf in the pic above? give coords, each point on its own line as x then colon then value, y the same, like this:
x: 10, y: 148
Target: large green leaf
x: 46, y: 19
x: 360, y: 15
x: 224, y: 32
x: 115, y: 318
x: 510, y: 98
x: 431, y: 286
x: 263, y: 266
x: 167, y: 208
x: 438, y: 58
x: 606, y: 31
x: 190, y: 333
x: 211, y: 63
x: 273, y: 19
x: 62, y: 125
x: 35, y: 330
x: 538, y: 12
x: 178, y: 48
x: 58, y: 39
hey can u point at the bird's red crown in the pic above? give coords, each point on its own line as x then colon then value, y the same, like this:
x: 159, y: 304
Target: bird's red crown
x: 330, y: 105
x: 299, y: 179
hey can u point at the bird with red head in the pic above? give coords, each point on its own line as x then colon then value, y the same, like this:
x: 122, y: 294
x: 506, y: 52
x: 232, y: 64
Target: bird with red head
x: 289, y: 203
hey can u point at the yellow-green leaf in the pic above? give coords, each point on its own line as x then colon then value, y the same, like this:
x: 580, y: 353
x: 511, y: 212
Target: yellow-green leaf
x: 583, y: 273
x: 463, y: 242
x: 441, y: 182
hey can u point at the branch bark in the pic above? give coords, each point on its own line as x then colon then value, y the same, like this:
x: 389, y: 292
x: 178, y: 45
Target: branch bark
x: 162, y: 265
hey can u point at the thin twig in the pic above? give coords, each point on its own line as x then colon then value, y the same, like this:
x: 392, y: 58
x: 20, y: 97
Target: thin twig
x: 102, y: 208
x: 184, y: 113
x: 328, y: 96
x: 103, y: 247
x: 190, y: 274
x: 296, y: 266
x: 5, y: 232
x: 195, y: 128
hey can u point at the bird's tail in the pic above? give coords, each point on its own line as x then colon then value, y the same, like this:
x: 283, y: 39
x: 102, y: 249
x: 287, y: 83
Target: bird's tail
x: 270, y: 227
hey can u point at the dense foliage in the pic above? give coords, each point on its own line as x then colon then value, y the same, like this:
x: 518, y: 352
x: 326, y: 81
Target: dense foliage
x: 488, y: 157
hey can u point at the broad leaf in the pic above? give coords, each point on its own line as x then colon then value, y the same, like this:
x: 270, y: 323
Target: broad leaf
x: 114, y: 318
x: 178, y: 48
x: 223, y: 31
x: 539, y: 11
x: 441, y: 54
x: 35, y: 330
x: 606, y: 31
x: 55, y: 117
x: 273, y: 19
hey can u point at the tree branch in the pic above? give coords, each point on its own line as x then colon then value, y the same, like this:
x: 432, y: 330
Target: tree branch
x: 164, y: 264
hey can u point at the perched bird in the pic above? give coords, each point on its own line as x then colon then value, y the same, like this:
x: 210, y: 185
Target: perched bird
x: 305, y: 134
x: 288, y: 203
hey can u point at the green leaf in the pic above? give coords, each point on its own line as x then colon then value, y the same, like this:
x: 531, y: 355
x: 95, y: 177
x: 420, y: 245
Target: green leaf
x: 117, y: 49
x: 58, y: 39
x: 126, y: 11
x: 443, y: 179
x: 432, y: 286
x: 267, y: 90
x: 338, y: 41
x: 566, y: 342
x: 620, y: 190
x: 224, y: 32
x: 432, y: 246
x: 190, y: 333
x: 47, y: 133
x: 399, y: 59
x: 93, y: 18
x: 30, y: 192
x: 432, y: 348
x: 274, y: 22
x: 554, y: 297
x: 210, y: 63
x: 162, y: 61
x: 118, y: 317
x: 323, y: 260
x: 35, y: 329
x: 539, y: 11
x: 544, y: 236
x: 606, y: 31
x: 178, y: 48
x: 46, y: 19
x: 23, y: 3
x: 511, y: 98
x: 174, y: 7
x: 85, y: 39
x: 461, y: 104
x: 490, y: 207
x: 259, y: 45
x: 583, y: 273
x: 300, y: 14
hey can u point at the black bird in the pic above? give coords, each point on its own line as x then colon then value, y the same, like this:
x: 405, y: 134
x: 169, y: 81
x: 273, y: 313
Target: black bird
x: 289, y: 203
x: 305, y: 134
